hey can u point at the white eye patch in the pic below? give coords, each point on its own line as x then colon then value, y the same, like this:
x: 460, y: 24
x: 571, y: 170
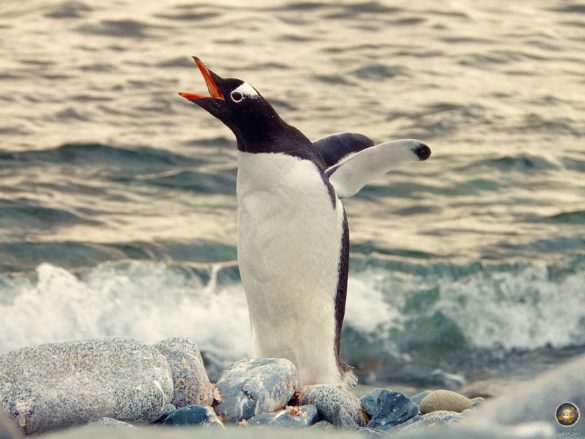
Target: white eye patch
x: 247, y: 91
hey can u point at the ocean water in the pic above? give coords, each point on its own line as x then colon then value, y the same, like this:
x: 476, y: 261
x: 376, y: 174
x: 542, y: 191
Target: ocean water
x: 117, y: 197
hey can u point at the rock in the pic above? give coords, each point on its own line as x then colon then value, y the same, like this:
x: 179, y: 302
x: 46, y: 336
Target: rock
x: 295, y: 417
x: 419, y: 396
x: 58, y: 385
x: 323, y: 425
x: 341, y: 418
x: 370, y: 432
x: 8, y: 430
x: 250, y: 387
x: 444, y: 400
x: 111, y: 422
x: 387, y: 408
x: 432, y: 419
x: 190, y: 380
x: 334, y: 404
x: 168, y: 409
x: 193, y: 415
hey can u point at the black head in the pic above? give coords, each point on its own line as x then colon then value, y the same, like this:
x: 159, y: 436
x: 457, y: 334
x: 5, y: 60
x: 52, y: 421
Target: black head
x: 239, y: 106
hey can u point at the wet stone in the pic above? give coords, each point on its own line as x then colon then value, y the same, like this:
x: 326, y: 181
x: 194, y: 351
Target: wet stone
x: 295, y: 417
x: 387, y: 408
x: 190, y: 381
x: 59, y: 385
x: 444, y: 400
x: 250, y: 387
x: 335, y: 404
x: 200, y: 415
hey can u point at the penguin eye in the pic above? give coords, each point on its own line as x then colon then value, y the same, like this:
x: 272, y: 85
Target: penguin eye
x: 236, y: 96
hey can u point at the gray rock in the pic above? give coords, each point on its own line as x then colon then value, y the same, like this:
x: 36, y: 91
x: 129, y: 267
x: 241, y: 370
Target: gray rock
x: 250, y: 387
x: 63, y: 384
x: 370, y: 432
x: 341, y: 418
x: 387, y: 408
x: 111, y: 422
x: 334, y: 404
x: 444, y: 400
x: 432, y: 419
x: 419, y: 396
x: 8, y: 429
x: 190, y: 380
x: 323, y: 425
x: 295, y: 417
x: 200, y: 415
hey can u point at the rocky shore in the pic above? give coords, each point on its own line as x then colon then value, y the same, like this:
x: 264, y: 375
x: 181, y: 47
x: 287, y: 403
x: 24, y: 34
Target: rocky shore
x: 136, y: 389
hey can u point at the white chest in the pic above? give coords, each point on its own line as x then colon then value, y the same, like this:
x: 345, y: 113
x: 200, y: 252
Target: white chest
x: 289, y: 245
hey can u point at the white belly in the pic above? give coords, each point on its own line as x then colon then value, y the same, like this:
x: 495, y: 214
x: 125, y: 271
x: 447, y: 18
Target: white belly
x: 288, y: 253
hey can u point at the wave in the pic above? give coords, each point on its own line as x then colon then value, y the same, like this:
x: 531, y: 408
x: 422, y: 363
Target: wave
x: 404, y: 322
x: 93, y: 154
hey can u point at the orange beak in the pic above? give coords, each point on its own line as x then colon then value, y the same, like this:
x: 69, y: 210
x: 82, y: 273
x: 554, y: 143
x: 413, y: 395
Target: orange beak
x: 214, y: 91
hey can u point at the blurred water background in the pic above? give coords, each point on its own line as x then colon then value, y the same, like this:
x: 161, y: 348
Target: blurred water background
x: 117, y: 197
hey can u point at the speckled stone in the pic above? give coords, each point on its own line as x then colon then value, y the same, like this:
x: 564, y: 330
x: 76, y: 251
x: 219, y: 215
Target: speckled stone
x: 58, y: 385
x: 190, y: 380
x: 8, y: 430
x: 444, y: 400
x: 294, y: 417
x: 334, y: 404
x: 199, y: 415
x: 432, y: 419
x: 250, y: 387
x: 110, y: 422
x: 387, y: 408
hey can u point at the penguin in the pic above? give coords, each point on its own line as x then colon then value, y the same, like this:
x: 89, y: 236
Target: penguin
x: 293, y: 236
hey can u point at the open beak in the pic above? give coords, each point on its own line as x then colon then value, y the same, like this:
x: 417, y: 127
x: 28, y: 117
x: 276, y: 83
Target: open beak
x: 208, y: 75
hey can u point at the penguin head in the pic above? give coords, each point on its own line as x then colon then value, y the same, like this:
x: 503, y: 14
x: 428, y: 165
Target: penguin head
x: 237, y: 104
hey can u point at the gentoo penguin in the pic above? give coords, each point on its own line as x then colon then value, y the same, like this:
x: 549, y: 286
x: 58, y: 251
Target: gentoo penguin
x: 293, y: 243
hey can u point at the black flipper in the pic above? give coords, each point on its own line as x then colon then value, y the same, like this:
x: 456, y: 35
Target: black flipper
x: 335, y: 147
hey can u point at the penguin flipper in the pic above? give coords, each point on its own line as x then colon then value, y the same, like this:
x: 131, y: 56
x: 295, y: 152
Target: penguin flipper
x: 336, y: 146
x: 353, y: 172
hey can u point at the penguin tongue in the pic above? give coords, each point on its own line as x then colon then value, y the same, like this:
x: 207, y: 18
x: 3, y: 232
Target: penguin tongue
x: 214, y: 90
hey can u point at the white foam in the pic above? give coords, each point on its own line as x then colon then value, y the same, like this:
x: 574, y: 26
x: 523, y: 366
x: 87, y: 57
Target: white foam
x: 146, y: 301
x: 521, y: 308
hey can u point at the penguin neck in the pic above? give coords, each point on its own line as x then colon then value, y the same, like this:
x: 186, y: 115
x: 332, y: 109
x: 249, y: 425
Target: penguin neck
x: 271, y: 135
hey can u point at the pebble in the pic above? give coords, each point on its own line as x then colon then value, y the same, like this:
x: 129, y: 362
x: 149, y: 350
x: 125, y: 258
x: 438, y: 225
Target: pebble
x: 192, y: 415
x: 250, y: 387
x: 294, y: 417
x: 387, y: 408
x: 444, y: 400
x: 432, y: 419
x: 58, y: 385
x: 335, y: 404
x: 190, y: 381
